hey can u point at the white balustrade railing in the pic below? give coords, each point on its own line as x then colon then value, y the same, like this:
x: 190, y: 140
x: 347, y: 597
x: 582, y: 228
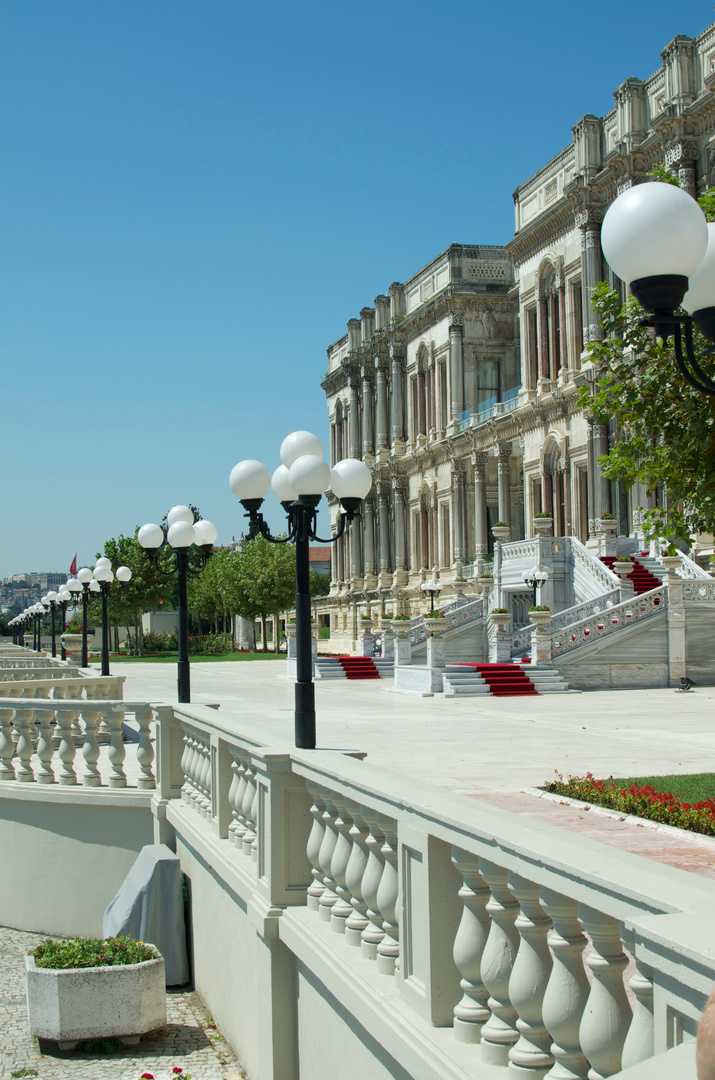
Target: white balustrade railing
x: 40, y: 741
x: 592, y: 564
x: 610, y: 621
x: 699, y: 590
x: 521, y: 639
x: 469, y: 612
x: 690, y: 569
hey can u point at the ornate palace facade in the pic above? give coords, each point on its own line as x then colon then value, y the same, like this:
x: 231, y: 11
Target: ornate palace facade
x: 461, y: 388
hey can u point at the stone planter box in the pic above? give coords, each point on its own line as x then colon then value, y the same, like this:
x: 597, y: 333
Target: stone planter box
x: 501, y: 532
x: 436, y: 626
x: 671, y: 563
x: 501, y: 619
x: 401, y: 627
x: 542, y: 525
x: 623, y: 569
x: 72, y: 1004
x: 606, y: 525
x: 540, y: 618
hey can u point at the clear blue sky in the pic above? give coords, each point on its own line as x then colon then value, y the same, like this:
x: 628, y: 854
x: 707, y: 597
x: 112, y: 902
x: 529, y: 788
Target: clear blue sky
x: 195, y: 197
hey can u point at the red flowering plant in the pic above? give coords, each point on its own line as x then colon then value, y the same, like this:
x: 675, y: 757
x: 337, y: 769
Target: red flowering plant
x: 641, y: 801
x: 176, y: 1071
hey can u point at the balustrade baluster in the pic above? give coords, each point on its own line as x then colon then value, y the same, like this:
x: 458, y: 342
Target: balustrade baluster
x: 45, y: 749
x: 471, y: 1013
x: 204, y: 776
x: 184, y: 766
x: 499, y: 1033
x: 315, y: 842
x: 567, y: 989
x: 116, y: 752
x: 329, y: 896
x: 388, y: 950
x: 24, y: 725
x: 357, y: 920
x: 66, y: 750
x: 7, y: 745
x: 373, y: 933
x: 237, y: 828
x: 254, y: 819
x: 232, y: 793
x: 90, y: 749
x: 250, y: 834
x: 192, y: 772
x: 639, y: 1040
x: 607, y: 1015
x: 342, y: 908
x: 145, y: 750
x: 530, y: 1056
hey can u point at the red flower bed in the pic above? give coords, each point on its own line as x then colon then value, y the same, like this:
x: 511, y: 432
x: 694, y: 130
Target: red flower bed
x: 643, y: 802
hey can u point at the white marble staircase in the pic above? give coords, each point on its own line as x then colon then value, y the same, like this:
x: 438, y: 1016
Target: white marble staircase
x: 460, y: 681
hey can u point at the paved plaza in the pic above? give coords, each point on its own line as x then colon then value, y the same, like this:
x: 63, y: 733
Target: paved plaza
x: 489, y: 749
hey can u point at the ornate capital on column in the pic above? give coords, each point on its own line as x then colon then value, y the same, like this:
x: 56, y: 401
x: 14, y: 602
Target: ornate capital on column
x: 588, y: 216
x: 456, y: 321
x: 504, y: 449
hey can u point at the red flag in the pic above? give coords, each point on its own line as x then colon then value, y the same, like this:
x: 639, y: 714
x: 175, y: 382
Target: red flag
x: 73, y: 567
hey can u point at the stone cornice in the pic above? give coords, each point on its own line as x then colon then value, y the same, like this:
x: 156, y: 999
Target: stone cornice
x: 547, y: 227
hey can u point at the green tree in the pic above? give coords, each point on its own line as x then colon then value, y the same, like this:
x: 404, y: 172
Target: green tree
x: 147, y: 589
x: 667, y: 428
x: 319, y: 583
x: 263, y: 581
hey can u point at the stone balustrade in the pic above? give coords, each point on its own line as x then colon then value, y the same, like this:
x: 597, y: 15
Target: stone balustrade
x: 543, y: 953
x: 610, y: 621
x: 40, y: 741
x: 96, y: 688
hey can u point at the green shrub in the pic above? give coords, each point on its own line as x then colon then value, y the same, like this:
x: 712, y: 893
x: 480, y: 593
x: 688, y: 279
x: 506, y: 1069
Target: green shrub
x: 92, y: 952
x: 324, y: 633
x: 546, y: 514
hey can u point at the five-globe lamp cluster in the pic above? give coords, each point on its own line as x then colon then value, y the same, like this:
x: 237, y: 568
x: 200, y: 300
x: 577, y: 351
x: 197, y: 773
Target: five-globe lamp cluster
x: 303, y: 477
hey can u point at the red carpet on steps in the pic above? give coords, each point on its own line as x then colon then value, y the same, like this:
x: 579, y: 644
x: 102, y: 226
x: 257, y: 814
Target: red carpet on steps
x: 643, y: 580
x: 359, y: 667
x: 506, y: 680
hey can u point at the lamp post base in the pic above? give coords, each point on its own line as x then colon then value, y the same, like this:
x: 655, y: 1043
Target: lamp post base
x: 305, y: 715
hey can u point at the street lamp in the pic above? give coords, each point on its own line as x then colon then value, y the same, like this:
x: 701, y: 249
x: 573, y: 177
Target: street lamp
x: 655, y: 237
x: 434, y: 588
x: 49, y: 602
x: 84, y: 580
x: 64, y: 598
x: 534, y: 579
x: 104, y: 577
x: 299, y: 483
x: 182, y: 534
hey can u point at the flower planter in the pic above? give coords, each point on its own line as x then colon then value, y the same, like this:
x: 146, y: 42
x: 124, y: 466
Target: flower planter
x: 606, y: 525
x: 501, y: 532
x: 436, y: 626
x: 401, y: 627
x: 540, y: 618
x: 671, y: 563
x: 623, y: 569
x: 72, y: 1004
x: 72, y: 644
x: 542, y: 525
x: 501, y: 619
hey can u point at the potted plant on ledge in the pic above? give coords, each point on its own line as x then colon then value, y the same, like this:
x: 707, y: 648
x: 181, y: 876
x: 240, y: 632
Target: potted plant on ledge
x: 501, y: 530
x: 540, y: 615
x: 435, y: 622
x: 606, y: 523
x: 501, y: 617
x: 86, y: 988
x: 542, y: 522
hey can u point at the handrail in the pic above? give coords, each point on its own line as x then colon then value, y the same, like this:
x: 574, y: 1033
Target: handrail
x: 621, y: 615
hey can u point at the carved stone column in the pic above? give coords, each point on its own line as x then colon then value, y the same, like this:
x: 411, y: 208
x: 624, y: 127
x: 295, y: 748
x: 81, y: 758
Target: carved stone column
x: 590, y: 476
x: 369, y: 518
x: 433, y: 397
x: 421, y: 416
x: 563, y: 335
x: 400, y: 509
x: 367, y: 440
x: 681, y: 158
x: 566, y: 470
x: 381, y: 433
x: 603, y: 486
x: 458, y: 527
x: 398, y: 412
x: 456, y: 367
x: 504, y: 482
x: 588, y: 221
x: 356, y: 552
x: 481, y: 537
x: 353, y: 428
x: 384, y: 525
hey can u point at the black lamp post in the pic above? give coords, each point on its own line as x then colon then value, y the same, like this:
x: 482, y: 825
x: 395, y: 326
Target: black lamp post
x: 49, y: 601
x: 433, y: 588
x: 64, y: 598
x: 534, y: 579
x: 182, y: 534
x: 299, y: 483
x: 104, y: 575
x: 85, y: 579
x: 656, y: 238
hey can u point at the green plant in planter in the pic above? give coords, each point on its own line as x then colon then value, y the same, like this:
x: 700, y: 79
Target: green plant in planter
x: 434, y: 615
x: 499, y: 611
x: 543, y: 514
x: 608, y: 517
x: 92, y: 952
x: 399, y: 618
x: 489, y: 577
x: 461, y: 580
x: 539, y: 607
x: 500, y: 525
x: 73, y: 627
x: 711, y: 560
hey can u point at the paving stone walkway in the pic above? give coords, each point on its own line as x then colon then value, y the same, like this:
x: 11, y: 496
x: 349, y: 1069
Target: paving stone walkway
x: 190, y: 1041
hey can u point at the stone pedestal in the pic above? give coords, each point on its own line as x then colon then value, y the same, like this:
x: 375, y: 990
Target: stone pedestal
x: 388, y: 644
x: 541, y: 646
x: 676, y: 630
x: 500, y: 648
x: 623, y: 569
x: 403, y: 651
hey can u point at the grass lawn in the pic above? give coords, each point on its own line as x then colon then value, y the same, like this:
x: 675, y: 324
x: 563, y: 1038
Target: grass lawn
x: 691, y: 789
x: 172, y: 657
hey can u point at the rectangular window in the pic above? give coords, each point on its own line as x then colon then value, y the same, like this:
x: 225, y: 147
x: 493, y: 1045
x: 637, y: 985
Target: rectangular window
x: 488, y: 391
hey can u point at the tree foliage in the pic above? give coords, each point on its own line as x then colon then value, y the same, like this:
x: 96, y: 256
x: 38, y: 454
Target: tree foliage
x: 667, y: 428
